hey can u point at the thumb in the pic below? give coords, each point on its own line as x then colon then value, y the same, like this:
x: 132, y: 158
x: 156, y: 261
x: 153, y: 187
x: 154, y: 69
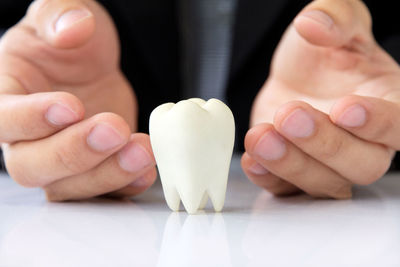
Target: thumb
x: 335, y: 23
x: 62, y: 23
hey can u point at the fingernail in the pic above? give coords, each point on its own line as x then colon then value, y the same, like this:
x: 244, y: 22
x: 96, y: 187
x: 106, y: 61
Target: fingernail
x: 353, y: 116
x: 298, y: 124
x: 270, y: 146
x: 140, y: 182
x: 103, y: 137
x: 133, y: 158
x: 257, y: 169
x: 59, y: 115
x: 70, y: 18
x: 319, y: 17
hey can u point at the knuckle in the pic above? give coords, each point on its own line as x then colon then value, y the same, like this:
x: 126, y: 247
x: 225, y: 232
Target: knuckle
x: 296, y: 170
x: 385, y: 127
x: 106, y: 185
x: 330, y: 148
x: 68, y: 158
x: 25, y: 128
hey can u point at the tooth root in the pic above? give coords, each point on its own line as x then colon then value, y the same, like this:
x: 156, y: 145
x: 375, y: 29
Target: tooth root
x: 172, y: 197
x: 204, y: 201
x: 191, y: 199
x: 217, y: 193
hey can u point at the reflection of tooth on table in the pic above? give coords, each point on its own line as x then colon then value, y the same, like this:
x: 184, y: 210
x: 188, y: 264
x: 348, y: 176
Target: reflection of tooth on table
x: 192, y: 142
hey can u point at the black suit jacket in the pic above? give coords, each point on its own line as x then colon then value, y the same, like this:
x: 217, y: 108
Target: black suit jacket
x: 150, y: 45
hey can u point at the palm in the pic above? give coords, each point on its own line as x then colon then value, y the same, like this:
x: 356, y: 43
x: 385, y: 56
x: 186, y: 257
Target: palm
x: 321, y: 75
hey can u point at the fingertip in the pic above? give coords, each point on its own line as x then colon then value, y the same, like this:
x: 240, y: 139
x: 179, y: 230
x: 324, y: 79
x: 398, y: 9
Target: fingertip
x: 335, y: 23
x: 144, y: 140
x: 146, y: 180
x: 251, y: 166
x: 254, y: 134
x: 317, y: 28
x: 245, y: 161
x: 350, y: 112
x: 63, y: 24
x: 138, y: 185
x: 261, y: 177
x: 59, y: 115
x: 315, y: 18
x: 64, y: 109
x: 137, y: 155
x: 115, y: 121
x: 73, y: 28
x: 286, y: 109
x: 107, y: 132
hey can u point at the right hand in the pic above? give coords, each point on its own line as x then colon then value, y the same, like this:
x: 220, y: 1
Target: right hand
x: 66, y: 109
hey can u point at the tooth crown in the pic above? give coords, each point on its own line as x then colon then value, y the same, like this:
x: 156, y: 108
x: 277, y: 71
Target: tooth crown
x: 193, y: 142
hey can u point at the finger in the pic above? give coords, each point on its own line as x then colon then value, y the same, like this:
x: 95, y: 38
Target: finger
x: 62, y: 23
x: 17, y: 76
x: 139, y: 186
x: 285, y: 160
x: 313, y: 132
x: 263, y: 178
x: 69, y: 152
x: 369, y: 118
x: 135, y: 163
x: 30, y: 117
x: 334, y: 22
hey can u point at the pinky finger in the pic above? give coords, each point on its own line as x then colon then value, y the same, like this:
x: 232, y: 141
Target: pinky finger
x: 263, y: 178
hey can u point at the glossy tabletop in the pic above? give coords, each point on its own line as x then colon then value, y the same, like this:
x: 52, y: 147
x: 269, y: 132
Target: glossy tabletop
x: 254, y: 229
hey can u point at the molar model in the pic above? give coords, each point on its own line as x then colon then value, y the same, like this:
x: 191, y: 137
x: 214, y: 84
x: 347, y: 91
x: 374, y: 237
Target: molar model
x: 192, y: 142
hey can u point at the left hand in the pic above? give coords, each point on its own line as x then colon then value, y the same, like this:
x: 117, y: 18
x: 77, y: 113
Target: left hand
x: 68, y: 115
x: 328, y: 116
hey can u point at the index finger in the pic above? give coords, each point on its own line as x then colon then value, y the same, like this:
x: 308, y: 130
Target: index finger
x: 34, y: 116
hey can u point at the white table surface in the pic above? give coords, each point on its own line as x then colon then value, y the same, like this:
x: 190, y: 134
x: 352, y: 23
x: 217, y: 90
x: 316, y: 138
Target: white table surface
x: 254, y: 229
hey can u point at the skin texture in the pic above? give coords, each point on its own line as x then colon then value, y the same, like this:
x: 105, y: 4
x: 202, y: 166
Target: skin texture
x: 63, y: 94
x: 327, y: 117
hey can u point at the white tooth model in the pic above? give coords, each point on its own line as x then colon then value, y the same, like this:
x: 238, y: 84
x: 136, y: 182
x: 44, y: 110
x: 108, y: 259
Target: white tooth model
x: 192, y: 142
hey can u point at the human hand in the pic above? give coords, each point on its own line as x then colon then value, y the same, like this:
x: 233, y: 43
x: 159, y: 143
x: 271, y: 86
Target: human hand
x: 328, y: 115
x: 66, y: 110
